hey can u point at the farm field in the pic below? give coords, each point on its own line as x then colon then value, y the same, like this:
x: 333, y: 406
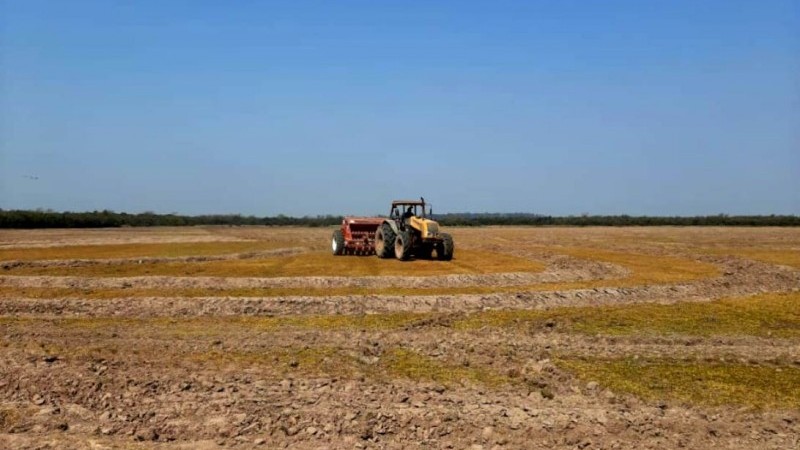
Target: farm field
x: 257, y: 337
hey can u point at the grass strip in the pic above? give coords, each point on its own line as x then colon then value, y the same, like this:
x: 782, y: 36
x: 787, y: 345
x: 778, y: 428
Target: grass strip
x: 696, y: 383
x: 301, y: 265
x: 765, y: 315
x: 788, y: 257
x: 768, y: 315
x: 645, y: 270
x: 121, y: 251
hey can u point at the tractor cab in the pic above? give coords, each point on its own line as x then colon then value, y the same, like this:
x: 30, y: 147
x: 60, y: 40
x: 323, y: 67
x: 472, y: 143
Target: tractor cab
x: 403, y: 210
x: 412, y: 215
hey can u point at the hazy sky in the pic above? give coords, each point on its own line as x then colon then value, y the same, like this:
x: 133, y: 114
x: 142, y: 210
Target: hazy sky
x: 296, y: 107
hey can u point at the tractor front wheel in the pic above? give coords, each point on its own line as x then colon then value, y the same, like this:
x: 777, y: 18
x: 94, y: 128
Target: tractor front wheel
x: 402, y: 245
x: 446, y: 248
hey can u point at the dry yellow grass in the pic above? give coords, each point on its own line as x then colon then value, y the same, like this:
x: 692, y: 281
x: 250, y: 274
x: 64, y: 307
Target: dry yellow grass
x: 785, y: 257
x: 13, y: 415
x: 174, y: 328
x: 775, y: 315
x: 404, y: 363
x: 639, y: 238
x: 306, y: 264
x: 645, y: 269
x: 393, y: 363
x: 164, y: 250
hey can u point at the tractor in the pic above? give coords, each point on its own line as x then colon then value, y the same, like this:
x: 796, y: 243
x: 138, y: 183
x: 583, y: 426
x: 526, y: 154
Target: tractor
x: 407, y: 232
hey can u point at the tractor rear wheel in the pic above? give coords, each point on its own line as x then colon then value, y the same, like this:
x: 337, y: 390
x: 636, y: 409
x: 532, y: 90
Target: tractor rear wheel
x: 337, y: 243
x: 384, y: 241
x: 402, y: 245
x: 446, y: 248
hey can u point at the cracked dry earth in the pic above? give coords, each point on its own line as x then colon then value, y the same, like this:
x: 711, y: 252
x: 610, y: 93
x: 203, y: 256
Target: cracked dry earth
x: 92, y: 360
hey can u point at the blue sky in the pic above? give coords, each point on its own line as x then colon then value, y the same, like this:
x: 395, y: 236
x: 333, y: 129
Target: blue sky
x: 553, y: 107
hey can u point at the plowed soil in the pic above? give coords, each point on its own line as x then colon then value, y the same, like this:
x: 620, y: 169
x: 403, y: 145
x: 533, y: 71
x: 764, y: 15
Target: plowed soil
x: 256, y: 337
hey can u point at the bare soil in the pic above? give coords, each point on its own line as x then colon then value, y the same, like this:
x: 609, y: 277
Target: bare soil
x: 132, y: 372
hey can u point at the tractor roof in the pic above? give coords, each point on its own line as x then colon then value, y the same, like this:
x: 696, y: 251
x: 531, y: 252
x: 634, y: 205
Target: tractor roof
x: 407, y: 202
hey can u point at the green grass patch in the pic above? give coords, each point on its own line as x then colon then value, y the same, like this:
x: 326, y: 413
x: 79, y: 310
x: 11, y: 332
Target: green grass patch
x: 776, y: 315
x: 713, y: 384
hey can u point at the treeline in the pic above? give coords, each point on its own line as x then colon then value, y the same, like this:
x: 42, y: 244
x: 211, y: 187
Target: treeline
x: 616, y: 221
x: 110, y: 219
x: 106, y: 219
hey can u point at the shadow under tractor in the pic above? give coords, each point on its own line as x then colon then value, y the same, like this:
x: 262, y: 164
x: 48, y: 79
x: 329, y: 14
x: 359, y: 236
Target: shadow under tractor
x: 407, y: 233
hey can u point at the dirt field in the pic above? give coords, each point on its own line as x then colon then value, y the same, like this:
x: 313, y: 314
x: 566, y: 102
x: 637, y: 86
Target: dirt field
x: 226, y: 337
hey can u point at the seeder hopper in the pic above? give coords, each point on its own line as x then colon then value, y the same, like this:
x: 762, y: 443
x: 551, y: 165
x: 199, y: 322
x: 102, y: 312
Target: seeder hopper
x: 356, y: 236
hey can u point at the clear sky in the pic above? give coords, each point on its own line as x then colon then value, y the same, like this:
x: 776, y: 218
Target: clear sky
x: 256, y: 107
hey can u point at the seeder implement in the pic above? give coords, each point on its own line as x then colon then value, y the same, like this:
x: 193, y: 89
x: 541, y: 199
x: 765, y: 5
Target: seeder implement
x: 407, y: 232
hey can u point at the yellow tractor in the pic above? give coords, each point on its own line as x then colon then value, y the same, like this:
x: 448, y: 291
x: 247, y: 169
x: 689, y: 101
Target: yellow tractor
x: 408, y: 232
